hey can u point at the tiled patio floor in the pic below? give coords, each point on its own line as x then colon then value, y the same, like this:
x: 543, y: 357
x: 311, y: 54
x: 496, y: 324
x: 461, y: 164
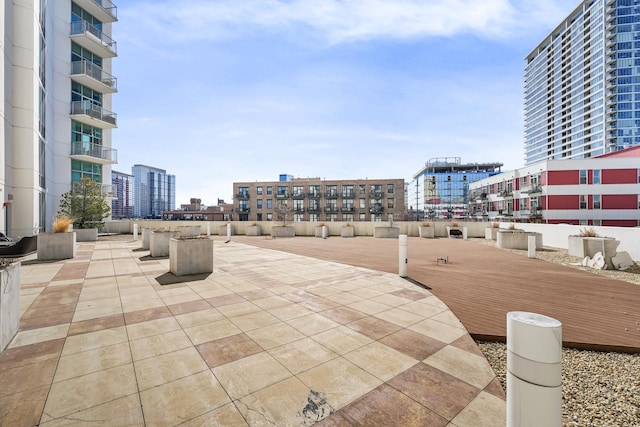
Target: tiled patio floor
x: 267, y: 339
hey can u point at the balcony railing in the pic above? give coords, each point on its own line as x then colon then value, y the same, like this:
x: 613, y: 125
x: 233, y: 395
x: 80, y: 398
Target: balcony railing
x: 243, y: 208
x: 89, y: 74
x: 95, y: 153
x: 314, y: 195
x: 347, y: 209
x: 242, y: 195
x: 104, y: 10
x: 377, y: 194
x: 348, y: 194
x: 331, y: 209
x: 376, y: 209
x: 108, y: 190
x: 331, y: 195
x: 298, y: 195
x: 314, y: 209
x: 88, y: 36
x: 282, y: 195
x: 92, y: 112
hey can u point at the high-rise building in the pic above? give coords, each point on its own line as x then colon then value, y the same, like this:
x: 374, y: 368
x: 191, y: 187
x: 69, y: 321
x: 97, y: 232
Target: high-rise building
x: 154, y: 191
x: 441, y: 188
x: 122, y: 203
x: 582, y: 84
x: 55, y: 105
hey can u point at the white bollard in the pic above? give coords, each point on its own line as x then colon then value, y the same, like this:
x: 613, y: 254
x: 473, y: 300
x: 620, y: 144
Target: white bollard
x: 135, y: 231
x: 464, y: 233
x: 534, y: 370
x: 228, y: 231
x: 402, y: 255
x: 208, y: 229
x: 325, y: 229
x: 531, y: 246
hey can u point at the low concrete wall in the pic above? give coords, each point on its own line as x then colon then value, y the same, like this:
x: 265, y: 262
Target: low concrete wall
x: 189, y: 230
x: 222, y: 230
x: 279, y: 231
x: 347, y: 231
x: 159, y: 242
x: 386, y: 232
x: 426, y: 232
x: 86, y: 234
x: 53, y: 246
x: 9, y: 304
x: 253, y: 230
x: 191, y: 256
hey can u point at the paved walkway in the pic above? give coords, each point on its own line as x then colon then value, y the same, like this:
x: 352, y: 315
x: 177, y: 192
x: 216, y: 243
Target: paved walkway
x: 270, y: 338
x: 481, y: 284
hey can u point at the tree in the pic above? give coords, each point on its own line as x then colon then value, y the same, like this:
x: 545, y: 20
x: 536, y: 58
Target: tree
x: 85, y: 204
x: 284, y: 213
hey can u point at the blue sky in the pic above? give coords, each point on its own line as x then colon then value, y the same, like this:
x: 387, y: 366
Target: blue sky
x: 220, y: 91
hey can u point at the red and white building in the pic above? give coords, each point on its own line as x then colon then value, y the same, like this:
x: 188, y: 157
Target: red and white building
x: 602, y: 190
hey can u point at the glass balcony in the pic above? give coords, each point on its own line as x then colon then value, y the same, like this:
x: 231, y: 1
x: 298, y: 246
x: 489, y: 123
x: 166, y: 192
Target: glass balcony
x: 93, y: 153
x: 109, y: 190
x: 93, y: 39
x: 93, y: 115
x: 103, y: 10
x: 90, y: 75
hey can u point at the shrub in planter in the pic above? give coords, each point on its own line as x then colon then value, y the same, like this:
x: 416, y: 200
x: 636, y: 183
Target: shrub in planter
x: 87, y: 206
x: 426, y: 230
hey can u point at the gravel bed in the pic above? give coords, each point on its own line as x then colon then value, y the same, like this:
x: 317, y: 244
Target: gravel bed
x: 598, y: 389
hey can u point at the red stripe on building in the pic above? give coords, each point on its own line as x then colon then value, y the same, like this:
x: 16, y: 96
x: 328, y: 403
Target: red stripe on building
x: 568, y: 177
x: 619, y: 201
x: 568, y: 201
x: 620, y: 176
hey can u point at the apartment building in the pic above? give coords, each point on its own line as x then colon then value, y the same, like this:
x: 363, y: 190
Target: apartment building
x: 56, y: 106
x: 581, y: 84
x: 154, y: 191
x: 122, y: 203
x: 316, y: 199
x: 597, y: 191
x: 440, y: 189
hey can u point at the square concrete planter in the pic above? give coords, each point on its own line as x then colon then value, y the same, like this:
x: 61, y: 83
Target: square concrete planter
x: 86, y: 234
x: 491, y: 233
x: 588, y: 246
x: 222, y: 230
x: 55, y: 246
x: 253, y: 230
x: 146, y: 237
x: 427, y: 232
x: 283, y: 231
x: 386, y: 232
x: 159, y: 242
x: 189, y: 230
x: 9, y: 303
x: 190, y: 256
x: 455, y: 231
x: 347, y: 231
x: 509, y: 239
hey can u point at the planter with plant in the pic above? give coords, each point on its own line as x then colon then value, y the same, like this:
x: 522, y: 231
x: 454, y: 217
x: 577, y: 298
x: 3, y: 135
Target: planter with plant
x: 426, y: 230
x: 284, y: 213
x: 253, y: 230
x: 491, y: 233
x: 587, y: 243
x: 389, y: 232
x: 454, y: 230
x: 88, y: 208
x: 9, y: 300
x: 61, y: 244
x: 347, y: 230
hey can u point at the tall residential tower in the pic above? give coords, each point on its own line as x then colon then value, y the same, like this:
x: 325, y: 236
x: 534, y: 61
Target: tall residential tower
x: 154, y: 191
x: 55, y: 106
x: 582, y: 84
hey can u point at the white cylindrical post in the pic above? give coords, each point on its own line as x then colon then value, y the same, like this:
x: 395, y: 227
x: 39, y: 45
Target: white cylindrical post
x: 402, y: 255
x: 208, y: 229
x: 229, y: 231
x: 534, y: 370
x: 531, y: 246
x: 135, y: 231
x: 325, y: 229
x: 464, y: 233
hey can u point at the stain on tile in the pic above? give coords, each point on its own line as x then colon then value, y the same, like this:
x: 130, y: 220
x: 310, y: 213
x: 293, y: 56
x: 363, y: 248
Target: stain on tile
x: 228, y: 349
x: 145, y: 315
x: 316, y: 408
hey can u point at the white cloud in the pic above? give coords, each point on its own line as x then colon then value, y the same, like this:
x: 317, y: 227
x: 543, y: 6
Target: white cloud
x: 341, y: 21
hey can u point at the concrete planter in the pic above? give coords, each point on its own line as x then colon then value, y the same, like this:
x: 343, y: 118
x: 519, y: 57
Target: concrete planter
x: 491, y: 233
x: 347, y: 231
x: 222, y: 230
x: 283, y: 231
x: 159, y: 242
x: 146, y: 237
x: 509, y: 239
x: 9, y: 303
x: 190, y: 256
x: 189, y: 230
x: 86, y: 234
x: 454, y: 231
x: 588, y: 246
x: 253, y: 230
x: 386, y: 232
x: 427, y: 232
x: 322, y: 231
x: 54, y: 246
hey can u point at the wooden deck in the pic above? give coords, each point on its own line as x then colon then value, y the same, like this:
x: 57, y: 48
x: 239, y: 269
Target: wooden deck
x: 481, y: 284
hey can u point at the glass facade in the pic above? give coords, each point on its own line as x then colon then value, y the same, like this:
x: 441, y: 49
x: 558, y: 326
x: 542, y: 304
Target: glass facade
x: 582, y: 84
x: 154, y: 191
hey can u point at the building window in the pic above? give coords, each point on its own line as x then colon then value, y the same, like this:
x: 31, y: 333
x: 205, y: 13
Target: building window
x: 283, y: 190
x: 596, y: 176
x: 347, y: 191
x: 298, y: 217
x: 269, y: 190
x: 363, y: 203
x: 363, y: 217
x: 597, y: 222
x: 259, y: 190
x: 269, y: 203
x: 583, y: 202
x: 259, y: 217
x: 583, y: 176
x: 81, y: 170
x: 314, y: 217
x: 389, y: 188
x: 298, y: 205
x: 332, y: 190
x: 596, y: 201
x: 332, y: 217
x: 259, y: 202
x: 363, y: 187
x: 269, y: 216
x: 243, y: 191
x: 347, y: 217
x: 298, y: 191
x: 390, y: 203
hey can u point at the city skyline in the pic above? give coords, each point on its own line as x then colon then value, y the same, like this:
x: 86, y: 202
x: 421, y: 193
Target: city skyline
x: 215, y: 93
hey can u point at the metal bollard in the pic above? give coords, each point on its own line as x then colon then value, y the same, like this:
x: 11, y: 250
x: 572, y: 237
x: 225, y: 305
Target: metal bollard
x: 135, y: 231
x: 531, y: 246
x: 402, y: 255
x: 534, y: 370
